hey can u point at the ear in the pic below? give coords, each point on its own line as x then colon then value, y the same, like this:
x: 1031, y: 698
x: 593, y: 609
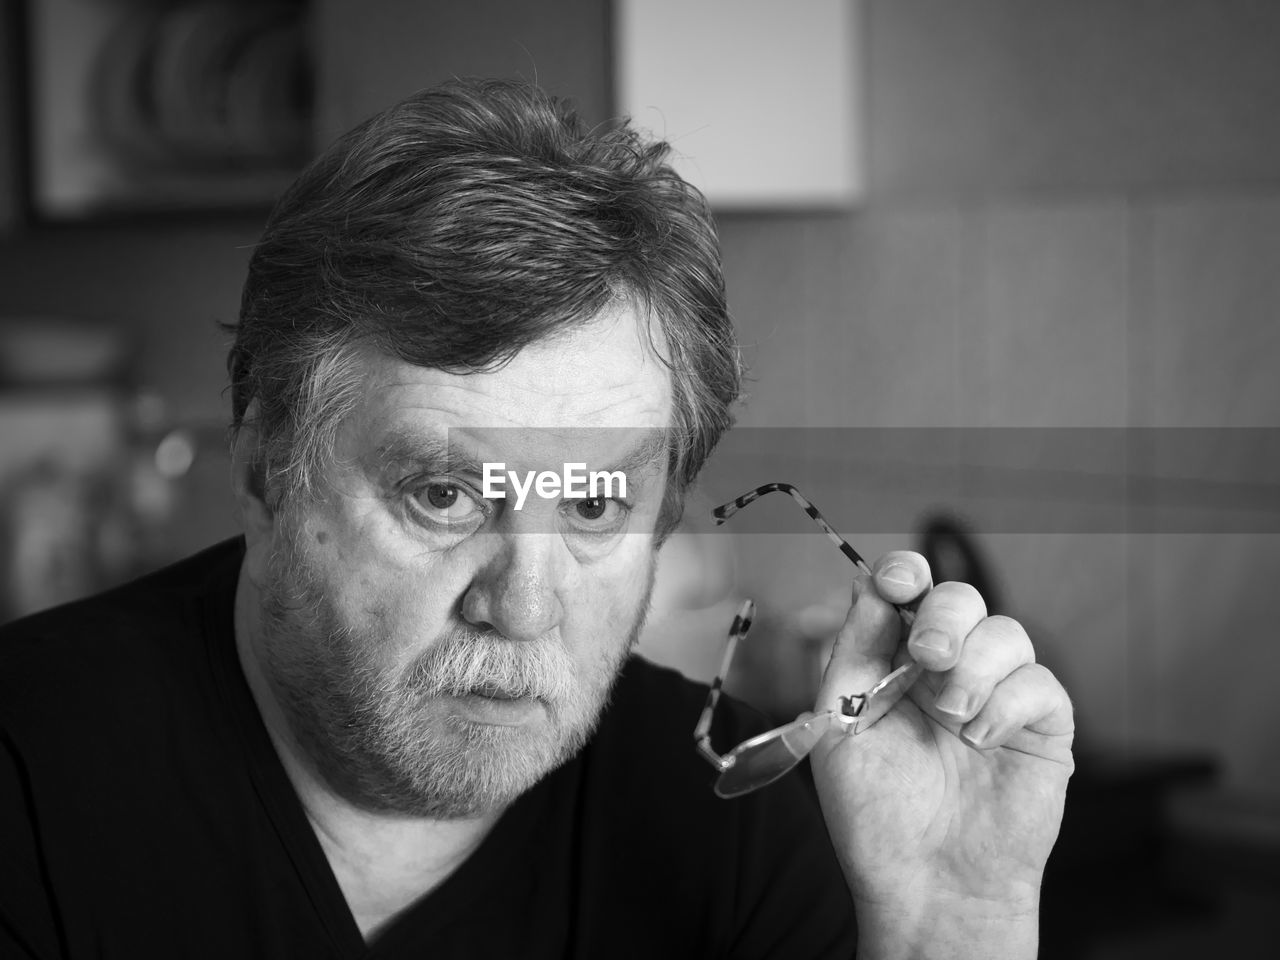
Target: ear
x: 248, y: 483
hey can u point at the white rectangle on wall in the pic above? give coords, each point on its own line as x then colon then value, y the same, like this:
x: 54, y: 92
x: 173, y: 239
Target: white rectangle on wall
x: 758, y: 98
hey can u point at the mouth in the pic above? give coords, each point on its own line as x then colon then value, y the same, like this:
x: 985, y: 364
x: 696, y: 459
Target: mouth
x: 500, y: 707
x: 498, y: 693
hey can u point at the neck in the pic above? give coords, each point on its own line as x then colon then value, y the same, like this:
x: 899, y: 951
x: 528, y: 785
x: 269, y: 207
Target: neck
x: 382, y: 861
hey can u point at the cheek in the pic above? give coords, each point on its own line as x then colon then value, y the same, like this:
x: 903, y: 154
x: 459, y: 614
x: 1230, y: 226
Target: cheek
x: 402, y: 598
x: 606, y: 604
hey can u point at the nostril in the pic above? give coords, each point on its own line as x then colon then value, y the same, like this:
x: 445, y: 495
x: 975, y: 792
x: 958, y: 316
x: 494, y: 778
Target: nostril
x: 472, y: 610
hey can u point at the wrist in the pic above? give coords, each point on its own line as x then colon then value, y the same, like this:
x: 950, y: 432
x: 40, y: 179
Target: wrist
x: 924, y: 925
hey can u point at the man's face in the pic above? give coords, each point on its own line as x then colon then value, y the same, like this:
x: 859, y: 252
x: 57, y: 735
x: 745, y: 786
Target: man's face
x: 435, y: 653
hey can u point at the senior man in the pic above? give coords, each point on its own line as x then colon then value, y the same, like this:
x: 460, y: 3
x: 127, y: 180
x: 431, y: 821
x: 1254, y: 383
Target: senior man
x: 398, y: 718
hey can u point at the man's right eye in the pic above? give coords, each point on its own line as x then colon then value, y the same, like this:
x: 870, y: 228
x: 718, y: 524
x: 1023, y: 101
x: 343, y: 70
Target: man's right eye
x: 448, y: 503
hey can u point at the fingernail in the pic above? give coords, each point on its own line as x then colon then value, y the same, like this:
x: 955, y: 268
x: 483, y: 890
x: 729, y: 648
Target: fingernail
x: 898, y: 574
x: 933, y: 641
x: 953, y: 700
x: 976, y: 732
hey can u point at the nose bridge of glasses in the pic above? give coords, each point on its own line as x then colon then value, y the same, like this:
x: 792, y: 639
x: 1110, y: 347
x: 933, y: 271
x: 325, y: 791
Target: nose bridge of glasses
x: 860, y: 712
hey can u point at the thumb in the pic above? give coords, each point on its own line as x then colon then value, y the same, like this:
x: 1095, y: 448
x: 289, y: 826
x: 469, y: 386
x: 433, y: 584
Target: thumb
x: 864, y: 649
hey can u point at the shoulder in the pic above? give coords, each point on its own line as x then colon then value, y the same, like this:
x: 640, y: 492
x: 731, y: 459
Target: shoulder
x: 103, y: 651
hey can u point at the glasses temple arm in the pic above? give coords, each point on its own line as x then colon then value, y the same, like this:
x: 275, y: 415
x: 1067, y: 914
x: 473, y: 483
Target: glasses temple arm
x: 726, y: 510
x: 702, y: 732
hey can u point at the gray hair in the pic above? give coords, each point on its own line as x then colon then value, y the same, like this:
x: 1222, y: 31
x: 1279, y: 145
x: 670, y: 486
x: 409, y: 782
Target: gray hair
x: 400, y: 236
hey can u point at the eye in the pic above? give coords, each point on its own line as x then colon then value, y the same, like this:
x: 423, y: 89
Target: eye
x: 597, y: 514
x: 592, y: 508
x: 447, y: 502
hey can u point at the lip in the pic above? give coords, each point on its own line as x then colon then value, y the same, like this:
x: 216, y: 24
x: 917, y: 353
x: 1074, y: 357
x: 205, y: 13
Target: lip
x: 498, y: 709
x: 495, y: 693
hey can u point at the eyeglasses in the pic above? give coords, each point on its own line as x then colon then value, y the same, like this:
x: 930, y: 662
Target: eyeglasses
x: 760, y: 761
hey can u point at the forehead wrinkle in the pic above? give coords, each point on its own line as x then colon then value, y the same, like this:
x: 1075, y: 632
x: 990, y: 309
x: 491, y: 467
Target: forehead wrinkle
x: 591, y: 376
x: 509, y: 404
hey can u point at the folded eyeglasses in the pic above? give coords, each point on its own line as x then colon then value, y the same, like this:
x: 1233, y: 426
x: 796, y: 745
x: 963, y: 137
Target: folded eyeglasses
x: 760, y: 761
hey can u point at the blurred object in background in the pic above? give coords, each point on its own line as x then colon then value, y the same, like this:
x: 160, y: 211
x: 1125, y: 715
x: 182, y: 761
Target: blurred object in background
x: 62, y: 425
x: 694, y: 596
x: 954, y: 555
x: 91, y: 472
x: 171, y: 105
x: 49, y: 352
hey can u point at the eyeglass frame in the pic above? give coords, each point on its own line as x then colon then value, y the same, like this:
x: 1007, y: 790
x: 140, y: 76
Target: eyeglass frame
x: 857, y: 712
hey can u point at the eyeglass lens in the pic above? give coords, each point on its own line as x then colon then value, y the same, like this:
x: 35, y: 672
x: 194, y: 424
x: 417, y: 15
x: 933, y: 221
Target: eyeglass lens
x: 763, y: 759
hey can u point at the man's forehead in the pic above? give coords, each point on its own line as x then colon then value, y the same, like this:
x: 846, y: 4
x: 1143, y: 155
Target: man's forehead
x: 468, y: 450
x: 602, y: 373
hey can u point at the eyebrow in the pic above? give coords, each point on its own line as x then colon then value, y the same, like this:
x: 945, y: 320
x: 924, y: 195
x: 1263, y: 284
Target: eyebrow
x: 406, y: 446
x: 650, y: 450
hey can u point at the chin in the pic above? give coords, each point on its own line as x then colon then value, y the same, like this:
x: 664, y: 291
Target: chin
x: 489, y: 768
x: 449, y: 765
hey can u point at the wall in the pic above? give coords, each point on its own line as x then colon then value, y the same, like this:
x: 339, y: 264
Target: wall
x: 1073, y: 220
x: 372, y: 53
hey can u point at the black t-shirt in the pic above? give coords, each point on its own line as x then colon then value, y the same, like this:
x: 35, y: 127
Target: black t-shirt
x: 144, y: 812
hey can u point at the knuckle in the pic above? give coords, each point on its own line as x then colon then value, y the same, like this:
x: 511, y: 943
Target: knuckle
x: 955, y: 600
x: 1039, y: 677
x: 997, y: 711
x: 1006, y: 624
x: 1018, y: 690
x: 1068, y: 705
x: 959, y: 592
x: 1054, y: 689
x: 1010, y: 634
x: 978, y: 669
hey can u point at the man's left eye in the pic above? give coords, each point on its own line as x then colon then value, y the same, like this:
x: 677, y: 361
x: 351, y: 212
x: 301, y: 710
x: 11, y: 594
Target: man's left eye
x: 597, y: 512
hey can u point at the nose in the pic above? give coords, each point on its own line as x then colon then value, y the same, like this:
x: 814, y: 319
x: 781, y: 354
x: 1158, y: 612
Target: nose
x: 517, y: 593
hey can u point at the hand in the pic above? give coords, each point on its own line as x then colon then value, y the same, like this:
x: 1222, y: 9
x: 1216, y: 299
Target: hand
x: 943, y: 813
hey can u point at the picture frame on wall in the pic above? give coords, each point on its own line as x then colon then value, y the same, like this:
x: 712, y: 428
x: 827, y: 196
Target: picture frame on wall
x: 139, y: 107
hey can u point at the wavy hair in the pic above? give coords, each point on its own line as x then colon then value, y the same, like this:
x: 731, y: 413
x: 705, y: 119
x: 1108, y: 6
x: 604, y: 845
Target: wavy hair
x: 450, y: 231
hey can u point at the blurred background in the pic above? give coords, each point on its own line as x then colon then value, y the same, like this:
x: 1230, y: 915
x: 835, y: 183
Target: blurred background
x: 941, y: 220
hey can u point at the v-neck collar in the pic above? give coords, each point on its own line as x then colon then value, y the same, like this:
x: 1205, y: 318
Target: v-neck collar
x: 504, y: 852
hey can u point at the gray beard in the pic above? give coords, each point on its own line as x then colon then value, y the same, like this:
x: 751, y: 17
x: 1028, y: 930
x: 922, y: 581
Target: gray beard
x: 382, y: 741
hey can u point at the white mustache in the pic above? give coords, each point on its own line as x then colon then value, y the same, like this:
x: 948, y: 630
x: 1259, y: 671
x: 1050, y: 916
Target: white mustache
x: 469, y: 662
